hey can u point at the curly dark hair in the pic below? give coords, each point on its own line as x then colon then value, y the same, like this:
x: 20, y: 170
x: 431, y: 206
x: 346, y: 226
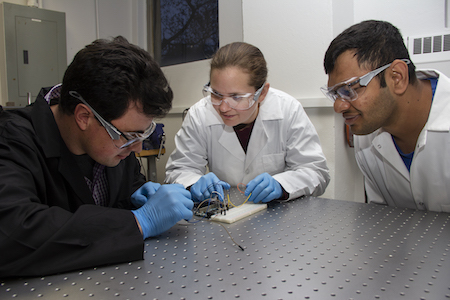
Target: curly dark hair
x: 109, y: 74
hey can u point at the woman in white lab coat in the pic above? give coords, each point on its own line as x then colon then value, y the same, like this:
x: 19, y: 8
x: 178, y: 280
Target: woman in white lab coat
x: 244, y: 131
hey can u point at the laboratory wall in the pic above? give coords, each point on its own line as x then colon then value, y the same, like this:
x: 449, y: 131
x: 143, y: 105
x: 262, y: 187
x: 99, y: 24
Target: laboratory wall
x: 292, y: 34
x: 87, y: 20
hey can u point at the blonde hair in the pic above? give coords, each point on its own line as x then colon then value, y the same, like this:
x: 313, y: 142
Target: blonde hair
x: 245, y: 56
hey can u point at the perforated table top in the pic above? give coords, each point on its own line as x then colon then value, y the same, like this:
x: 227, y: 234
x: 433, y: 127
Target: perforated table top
x: 311, y: 248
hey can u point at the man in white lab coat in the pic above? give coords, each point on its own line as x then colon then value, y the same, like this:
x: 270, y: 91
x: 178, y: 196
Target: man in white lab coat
x: 400, y: 117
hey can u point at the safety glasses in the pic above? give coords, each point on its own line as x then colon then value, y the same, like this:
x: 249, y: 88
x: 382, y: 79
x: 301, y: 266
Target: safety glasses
x: 235, y: 101
x: 345, y: 90
x: 120, y: 139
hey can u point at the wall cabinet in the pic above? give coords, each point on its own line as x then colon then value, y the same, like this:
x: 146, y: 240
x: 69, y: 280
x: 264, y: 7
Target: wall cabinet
x: 32, y: 52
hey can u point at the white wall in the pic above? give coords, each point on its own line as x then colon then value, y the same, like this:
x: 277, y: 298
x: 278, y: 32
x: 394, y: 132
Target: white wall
x: 293, y: 36
x: 412, y: 17
x: 87, y: 20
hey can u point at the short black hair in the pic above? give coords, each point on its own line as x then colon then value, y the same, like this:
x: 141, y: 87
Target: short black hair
x: 109, y: 74
x: 376, y: 43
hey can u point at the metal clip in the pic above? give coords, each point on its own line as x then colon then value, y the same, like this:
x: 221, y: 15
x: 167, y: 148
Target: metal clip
x: 161, y: 144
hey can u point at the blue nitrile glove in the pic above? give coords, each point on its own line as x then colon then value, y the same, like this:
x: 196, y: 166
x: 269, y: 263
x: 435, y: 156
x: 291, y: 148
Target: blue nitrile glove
x: 170, y: 204
x: 203, y: 188
x: 264, y: 188
x: 143, y: 193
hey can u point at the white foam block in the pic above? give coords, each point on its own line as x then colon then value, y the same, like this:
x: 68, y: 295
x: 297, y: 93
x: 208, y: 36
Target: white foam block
x: 237, y: 213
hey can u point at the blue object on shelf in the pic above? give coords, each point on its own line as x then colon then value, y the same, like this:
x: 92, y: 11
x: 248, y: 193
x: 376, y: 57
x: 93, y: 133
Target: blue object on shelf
x: 156, y: 139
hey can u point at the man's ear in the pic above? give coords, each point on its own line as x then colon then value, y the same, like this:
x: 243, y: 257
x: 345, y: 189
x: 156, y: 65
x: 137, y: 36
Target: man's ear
x: 399, y: 77
x: 82, y: 116
x: 264, y: 92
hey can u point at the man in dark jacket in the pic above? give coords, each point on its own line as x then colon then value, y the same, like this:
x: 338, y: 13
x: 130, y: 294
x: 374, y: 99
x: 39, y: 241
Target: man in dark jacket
x: 71, y: 195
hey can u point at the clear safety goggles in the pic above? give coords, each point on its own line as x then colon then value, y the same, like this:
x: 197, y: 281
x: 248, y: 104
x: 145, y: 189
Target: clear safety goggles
x: 120, y: 139
x: 345, y: 90
x: 235, y: 101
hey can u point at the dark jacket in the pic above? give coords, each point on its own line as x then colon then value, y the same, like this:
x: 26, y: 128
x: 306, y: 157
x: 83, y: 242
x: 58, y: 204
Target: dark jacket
x: 48, y: 220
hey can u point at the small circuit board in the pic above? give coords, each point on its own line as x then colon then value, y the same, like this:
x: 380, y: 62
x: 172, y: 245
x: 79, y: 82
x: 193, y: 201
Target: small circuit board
x: 239, y: 212
x: 233, y: 209
x: 209, y: 208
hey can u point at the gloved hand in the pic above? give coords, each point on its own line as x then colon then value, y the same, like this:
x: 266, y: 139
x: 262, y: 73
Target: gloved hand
x: 264, y: 188
x: 170, y: 204
x: 143, y: 193
x: 203, y: 188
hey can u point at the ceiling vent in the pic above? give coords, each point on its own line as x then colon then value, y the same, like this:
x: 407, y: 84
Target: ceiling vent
x: 429, y: 48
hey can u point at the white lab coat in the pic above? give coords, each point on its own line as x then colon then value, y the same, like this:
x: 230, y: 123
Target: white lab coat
x: 427, y: 185
x: 284, y: 143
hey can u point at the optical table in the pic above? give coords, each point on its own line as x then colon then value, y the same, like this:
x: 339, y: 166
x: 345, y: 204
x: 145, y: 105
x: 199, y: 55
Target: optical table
x: 310, y: 248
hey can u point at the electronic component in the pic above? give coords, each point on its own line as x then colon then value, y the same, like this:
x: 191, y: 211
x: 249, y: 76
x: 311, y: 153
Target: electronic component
x: 239, y: 212
x: 206, y: 209
x: 234, y: 208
